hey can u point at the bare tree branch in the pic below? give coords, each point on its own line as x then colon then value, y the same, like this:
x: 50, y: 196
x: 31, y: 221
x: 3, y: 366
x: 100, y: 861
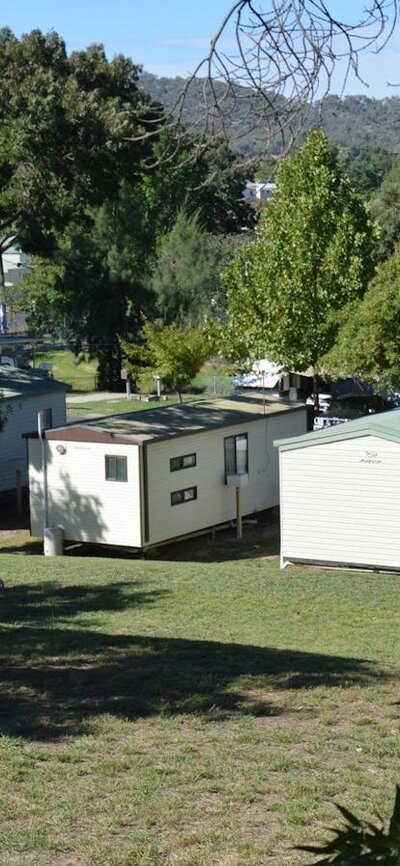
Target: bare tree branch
x: 268, y: 63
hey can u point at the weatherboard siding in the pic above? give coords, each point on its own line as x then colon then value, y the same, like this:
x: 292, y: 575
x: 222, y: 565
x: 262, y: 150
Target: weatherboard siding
x: 215, y: 501
x: 340, y: 502
x: 22, y: 418
x: 81, y: 500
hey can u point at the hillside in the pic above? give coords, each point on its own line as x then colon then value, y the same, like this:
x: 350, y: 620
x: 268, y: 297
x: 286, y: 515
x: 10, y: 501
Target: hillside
x: 354, y: 122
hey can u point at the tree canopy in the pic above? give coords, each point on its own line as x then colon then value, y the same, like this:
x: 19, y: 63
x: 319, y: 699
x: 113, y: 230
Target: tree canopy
x: 173, y: 352
x: 368, y: 341
x: 65, y: 123
x: 312, y: 253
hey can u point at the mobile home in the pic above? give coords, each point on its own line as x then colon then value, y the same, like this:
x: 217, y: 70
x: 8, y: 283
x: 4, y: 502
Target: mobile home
x: 24, y: 393
x: 147, y: 477
x: 340, y: 494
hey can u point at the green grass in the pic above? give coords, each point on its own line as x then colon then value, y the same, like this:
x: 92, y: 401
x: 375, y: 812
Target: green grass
x: 80, y: 372
x: 201, y: 708
x: 77, y: 370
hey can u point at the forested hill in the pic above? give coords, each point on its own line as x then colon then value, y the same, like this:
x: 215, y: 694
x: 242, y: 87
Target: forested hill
x: 353, y: 122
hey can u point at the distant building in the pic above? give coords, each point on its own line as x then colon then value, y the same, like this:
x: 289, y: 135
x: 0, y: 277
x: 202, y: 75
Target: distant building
x: 258, y: 190
x: 15, y: 265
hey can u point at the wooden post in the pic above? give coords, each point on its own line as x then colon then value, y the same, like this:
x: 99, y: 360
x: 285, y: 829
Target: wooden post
x: 128, y: 388
x: 238, y: 514
x: 18, y: 491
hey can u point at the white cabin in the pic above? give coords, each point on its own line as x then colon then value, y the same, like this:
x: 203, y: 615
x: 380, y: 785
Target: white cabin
x: 148, y: 477
x: 24, y: 393
x: 340, y: 494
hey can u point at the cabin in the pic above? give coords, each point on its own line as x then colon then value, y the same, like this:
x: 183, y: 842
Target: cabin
x: 23, y: 394
x: 145, y: 478
x: 340, y: 494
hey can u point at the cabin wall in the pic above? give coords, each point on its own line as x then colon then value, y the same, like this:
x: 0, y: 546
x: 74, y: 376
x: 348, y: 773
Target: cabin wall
x: 80, y: 499
x: 340, y: 502
x: 22, y: 417
x: 215, y: 502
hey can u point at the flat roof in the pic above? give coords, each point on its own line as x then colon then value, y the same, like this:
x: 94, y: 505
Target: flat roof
x: 15, y: 382
x: 167, y: 422
x: 384, y: 425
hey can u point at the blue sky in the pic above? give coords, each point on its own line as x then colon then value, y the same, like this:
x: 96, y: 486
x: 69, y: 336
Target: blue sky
x: 168, y: 36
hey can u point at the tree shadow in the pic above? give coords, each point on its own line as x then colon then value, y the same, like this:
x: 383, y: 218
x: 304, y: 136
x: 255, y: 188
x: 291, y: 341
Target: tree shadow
x: 55, y: 683
x: 48, y: 600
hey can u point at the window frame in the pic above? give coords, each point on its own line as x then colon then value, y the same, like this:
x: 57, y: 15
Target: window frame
x: 180, y: 460
x: 234, y: 438
x: 120, y: 478
x: 181, y: 493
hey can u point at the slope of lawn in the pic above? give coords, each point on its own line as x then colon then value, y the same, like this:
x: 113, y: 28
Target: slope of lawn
x: 80, y: 372
x: 192, y: 713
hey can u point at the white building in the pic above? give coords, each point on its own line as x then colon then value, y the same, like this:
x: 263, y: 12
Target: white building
x: 23, y: 393
x: 258, y: 190
x: 148, y: 477
x: 15, y: 266
x: 340, y: 494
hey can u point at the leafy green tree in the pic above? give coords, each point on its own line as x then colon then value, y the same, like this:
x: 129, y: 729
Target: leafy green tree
x: 385, y: 207
x: 366, y: 167
x: 174, y: 353
x: 312, y: 253
x: 65, y: 124
x: 367, y: 345
x: 186, y: 275
x: 94, y: 286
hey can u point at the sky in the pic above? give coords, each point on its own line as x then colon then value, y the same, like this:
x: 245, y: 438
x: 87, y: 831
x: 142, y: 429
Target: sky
x: 169, y: 37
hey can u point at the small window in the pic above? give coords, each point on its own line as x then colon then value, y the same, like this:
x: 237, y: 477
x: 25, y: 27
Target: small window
x: 116, y: 468
x: 183, y: 462
x: 179, y: 496
x: 236, y: 454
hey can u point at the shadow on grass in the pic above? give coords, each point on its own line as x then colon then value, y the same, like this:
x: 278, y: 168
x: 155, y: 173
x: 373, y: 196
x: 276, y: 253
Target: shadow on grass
x: 55, y: 683
x: 47, y: 600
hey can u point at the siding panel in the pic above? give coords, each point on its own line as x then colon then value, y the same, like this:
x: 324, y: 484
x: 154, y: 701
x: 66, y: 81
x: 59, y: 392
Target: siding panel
x: 23, y: 419
x: 340, y: 502
x: 81, y: 500
x: 215, y: 501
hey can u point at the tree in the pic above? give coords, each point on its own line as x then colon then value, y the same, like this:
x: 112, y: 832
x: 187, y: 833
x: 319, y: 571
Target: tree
x: 283, y: 53
x: 94, y: 287
x: 366, y: 167
x: 385, y: 207
x: 312, y: 253
x: 174, y: 353
x: 368, y: 341
x: 64, y: 129
x: 185, y: 276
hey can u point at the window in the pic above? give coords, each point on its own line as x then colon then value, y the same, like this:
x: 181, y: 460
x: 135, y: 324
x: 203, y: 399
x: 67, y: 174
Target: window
x: 116, y: 468
x: 236, y: 454
x: 184, y: 462
x: 179, y: 496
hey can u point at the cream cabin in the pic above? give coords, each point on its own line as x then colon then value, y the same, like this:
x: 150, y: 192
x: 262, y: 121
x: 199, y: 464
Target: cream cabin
x: 148, y: 477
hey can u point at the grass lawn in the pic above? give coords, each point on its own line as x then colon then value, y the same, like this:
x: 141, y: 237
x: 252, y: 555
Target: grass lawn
x: 77, y: 370
x: 81, y: 373
x: 192, y: 712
